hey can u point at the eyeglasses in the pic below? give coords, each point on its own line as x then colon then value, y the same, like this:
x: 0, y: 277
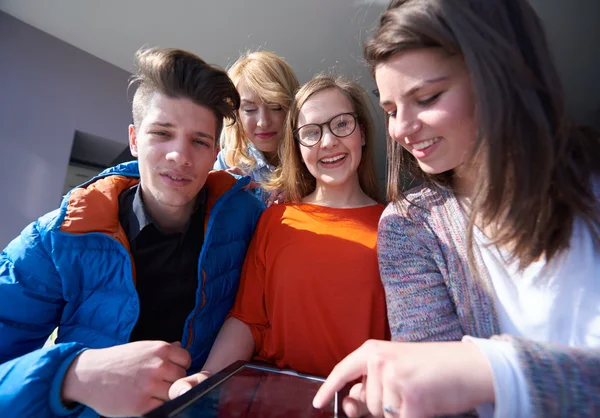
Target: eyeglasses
x: 341, y: 126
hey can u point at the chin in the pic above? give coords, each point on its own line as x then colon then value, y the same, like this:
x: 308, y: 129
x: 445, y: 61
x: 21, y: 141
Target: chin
x: 432, y: 170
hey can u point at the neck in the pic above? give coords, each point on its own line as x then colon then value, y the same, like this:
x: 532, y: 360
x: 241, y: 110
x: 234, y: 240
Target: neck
x: 347, y: 195
x: 464, y: 180
x: 170, y: 219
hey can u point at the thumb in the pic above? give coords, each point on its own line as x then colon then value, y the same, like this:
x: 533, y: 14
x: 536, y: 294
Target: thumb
x: 179, y: 387
x: 176, y: 344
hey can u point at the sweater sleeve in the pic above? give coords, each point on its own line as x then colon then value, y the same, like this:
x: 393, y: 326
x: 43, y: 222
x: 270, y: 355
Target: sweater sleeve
x: 419, y: 306
x: 563, y: 381
x: 31, y: 303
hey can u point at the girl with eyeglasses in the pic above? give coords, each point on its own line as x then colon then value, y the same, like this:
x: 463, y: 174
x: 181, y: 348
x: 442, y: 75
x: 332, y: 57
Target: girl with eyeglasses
x: 502, y: 238
x: 310, y: 291
x: 266, y: 84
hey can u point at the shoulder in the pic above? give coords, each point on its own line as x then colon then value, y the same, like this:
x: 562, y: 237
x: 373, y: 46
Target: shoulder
x: 34, y: 240
x: 418, y: 205
x: 220, y: 163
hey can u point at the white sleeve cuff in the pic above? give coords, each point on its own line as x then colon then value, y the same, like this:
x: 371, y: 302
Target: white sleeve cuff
x: 510, y: 386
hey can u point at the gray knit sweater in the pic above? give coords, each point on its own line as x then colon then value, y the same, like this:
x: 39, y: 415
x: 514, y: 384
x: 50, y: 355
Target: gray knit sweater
x: 432, y: 296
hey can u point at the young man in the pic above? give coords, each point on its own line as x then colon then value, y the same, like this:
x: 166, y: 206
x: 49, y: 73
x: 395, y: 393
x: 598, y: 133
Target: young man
x: 138, y: 267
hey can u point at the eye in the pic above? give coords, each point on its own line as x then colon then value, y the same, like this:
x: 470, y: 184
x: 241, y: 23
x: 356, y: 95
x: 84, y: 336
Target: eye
x: 202, y: 142
x: 429, y: 100
x: 249, y: 109
x: 277, y: 108
x: 159, y: 133
x: 391, y: 114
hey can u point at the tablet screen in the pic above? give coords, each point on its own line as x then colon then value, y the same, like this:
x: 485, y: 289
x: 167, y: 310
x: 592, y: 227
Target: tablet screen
x: 247, y: 390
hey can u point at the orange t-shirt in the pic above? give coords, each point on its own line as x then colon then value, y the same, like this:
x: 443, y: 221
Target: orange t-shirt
x: 310, y: 289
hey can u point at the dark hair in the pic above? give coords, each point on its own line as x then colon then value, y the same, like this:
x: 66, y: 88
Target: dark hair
x: 181, y: 74
x: 538, y: 166
x: 292, y: 176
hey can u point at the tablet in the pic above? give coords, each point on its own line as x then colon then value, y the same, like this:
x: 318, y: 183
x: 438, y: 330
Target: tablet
x: 250, y: 390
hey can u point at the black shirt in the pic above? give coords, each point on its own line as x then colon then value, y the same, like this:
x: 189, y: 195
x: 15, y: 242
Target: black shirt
x: 166, y: 267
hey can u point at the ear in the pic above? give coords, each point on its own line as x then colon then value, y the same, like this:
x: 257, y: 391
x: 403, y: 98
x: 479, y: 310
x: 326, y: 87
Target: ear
x: 133, y: 146
x: 217, y: 150
x: 363, y: 140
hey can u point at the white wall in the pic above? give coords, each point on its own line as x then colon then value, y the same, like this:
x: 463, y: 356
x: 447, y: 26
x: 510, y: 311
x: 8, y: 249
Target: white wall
x: 48, y: 90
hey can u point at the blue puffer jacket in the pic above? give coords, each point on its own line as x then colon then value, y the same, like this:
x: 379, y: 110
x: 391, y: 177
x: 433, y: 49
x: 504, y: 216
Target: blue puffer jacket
x: 72, y: 269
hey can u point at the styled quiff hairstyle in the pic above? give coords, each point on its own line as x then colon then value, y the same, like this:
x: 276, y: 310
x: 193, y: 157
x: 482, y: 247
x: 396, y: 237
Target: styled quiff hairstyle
x: 180, y: 74
x: 537, y: 167
x: 274, y: 81
x: 292, y: 176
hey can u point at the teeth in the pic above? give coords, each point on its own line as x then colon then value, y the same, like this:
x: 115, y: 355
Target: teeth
x: 175, y: 178
x: 425, y: 144
x: 332, y: 160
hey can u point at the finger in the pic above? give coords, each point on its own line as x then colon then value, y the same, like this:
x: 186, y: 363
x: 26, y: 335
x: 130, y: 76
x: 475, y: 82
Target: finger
x: 183, y: 385
x: 235, y: 170
x: 153, y: 403
x: 373, y: 388
x: 179, y: 356
x: 252, y: 185
x: 351, y: 407
x: 161, y: 390
x: 280, y: 198
x: 350, y: 403
x: 391, y: 402
x: 350, y: 368
x: 172, y: 372
x: 273, y: 197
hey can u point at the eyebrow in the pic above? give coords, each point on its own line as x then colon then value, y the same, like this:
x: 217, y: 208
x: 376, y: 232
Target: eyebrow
x: 416, y: 87
x: 197, y: 133
x: 246, y: 101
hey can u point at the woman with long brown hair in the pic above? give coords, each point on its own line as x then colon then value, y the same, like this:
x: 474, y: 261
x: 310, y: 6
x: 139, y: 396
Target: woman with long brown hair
x: 310, y: 291
x: 502, y: 237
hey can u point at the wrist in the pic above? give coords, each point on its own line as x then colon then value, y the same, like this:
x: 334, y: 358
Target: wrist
x: 482, y: 378
x: 72, y: 388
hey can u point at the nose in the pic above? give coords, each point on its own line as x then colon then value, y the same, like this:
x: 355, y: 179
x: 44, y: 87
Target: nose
x: 180, y: 151
x: 328, y: 140
x: 403, y: 125
x: 264, y: 118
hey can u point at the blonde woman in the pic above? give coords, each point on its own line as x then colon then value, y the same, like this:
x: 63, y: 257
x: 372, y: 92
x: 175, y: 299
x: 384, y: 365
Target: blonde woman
x: 266, y: 84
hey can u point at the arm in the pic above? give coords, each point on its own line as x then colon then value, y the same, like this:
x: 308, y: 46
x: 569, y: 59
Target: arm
x: 234, y: 342
x: 562, y: 381
x: 419, y: 306
x: 30, y: 307
x: 243, y: 332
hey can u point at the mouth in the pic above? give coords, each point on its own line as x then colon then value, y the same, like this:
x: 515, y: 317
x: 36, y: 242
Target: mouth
x: 421, y: 146
x: 265, y: 135
x: 334, y: 160
x: 175, y: 179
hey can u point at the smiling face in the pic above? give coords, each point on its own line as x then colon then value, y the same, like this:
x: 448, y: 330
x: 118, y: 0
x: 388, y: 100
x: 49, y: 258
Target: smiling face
x: 429, y: 100
x: 175, y: 146
x: 332, y: 161
x: 262, y: 122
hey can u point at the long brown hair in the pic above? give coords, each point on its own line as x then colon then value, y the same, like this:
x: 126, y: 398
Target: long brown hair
x: 292, y: 176
x: 538, y: 167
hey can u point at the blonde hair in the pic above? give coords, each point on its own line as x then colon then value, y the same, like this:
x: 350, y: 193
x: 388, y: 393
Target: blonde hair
x: 292, y: 176
x: 274, y: 81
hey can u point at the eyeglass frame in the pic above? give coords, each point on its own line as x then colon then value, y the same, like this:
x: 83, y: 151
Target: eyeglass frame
x: 296, y: 131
